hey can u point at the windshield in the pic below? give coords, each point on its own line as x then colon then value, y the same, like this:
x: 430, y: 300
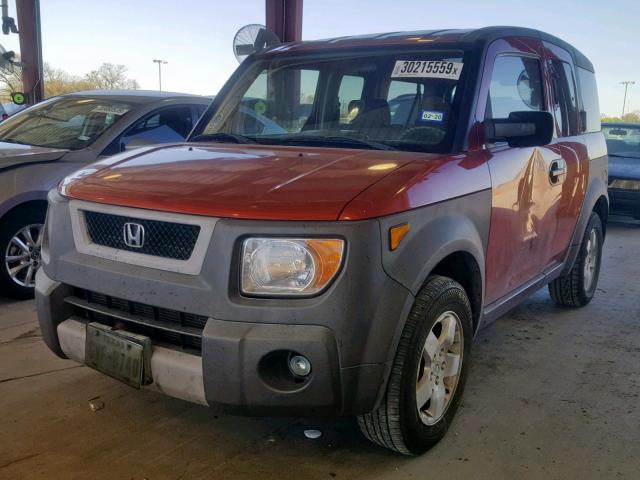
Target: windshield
x: 70, y: 123
x: 622, y: 141
x: 403, y: 100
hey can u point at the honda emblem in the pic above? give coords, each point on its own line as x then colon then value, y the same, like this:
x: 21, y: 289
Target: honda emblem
x: 133, y: 235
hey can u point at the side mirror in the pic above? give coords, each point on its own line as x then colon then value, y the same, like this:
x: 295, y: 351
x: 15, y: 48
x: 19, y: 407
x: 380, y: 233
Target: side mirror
x: 139, y: 143
x: 521, y: 129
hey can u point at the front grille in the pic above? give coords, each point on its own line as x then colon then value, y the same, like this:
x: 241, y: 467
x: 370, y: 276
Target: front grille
x: 161, y: 239
x: 163, y: 326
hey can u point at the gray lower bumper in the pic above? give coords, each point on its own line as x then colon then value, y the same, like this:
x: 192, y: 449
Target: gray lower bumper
x: 175, y: 373
x: 243, y: 366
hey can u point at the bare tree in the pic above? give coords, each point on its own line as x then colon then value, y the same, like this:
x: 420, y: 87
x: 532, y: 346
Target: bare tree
x: 10, y: 81
x: 59, y: 82
x: 109, y: 76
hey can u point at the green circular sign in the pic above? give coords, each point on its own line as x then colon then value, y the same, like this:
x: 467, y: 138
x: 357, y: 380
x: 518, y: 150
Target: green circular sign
x: 260, y: 107
x: 18, y: 98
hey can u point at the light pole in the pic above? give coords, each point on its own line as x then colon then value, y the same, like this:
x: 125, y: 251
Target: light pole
x: 626, y: 86
x: 160, y: 63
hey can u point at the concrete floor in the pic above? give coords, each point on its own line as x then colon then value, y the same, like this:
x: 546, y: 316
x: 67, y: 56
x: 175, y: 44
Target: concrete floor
x: 552, y: 394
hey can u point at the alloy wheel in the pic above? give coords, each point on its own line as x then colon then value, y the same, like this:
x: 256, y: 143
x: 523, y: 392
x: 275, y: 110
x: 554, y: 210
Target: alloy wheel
x: 22, y: 257
x: 591, y: 260
x: 440, y: 368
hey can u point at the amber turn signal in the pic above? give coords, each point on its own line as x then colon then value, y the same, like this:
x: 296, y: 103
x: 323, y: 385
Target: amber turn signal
x: 397, y: 234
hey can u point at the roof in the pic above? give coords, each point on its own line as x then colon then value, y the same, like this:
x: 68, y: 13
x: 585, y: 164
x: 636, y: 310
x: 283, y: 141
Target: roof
x: 449, y: 37
x: 137, y: 96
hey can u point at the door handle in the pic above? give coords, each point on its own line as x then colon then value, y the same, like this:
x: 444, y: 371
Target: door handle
x: 557, y: 169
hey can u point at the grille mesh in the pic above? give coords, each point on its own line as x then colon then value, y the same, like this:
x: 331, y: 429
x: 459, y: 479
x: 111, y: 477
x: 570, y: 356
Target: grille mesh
x: 161, y: 239
x: 186, y: 342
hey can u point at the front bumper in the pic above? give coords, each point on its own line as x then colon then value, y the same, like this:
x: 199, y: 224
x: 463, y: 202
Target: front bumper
x: 176, y: 374
x: 349, y: 333
x: 625, y: 202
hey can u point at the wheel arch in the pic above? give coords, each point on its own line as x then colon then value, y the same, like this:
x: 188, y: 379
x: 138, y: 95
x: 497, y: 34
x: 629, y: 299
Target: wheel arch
x: 25, y: 200
x: 602, y: 209
x: 596, y: 200
x: 463, y: 267
x: 29, y: 204
x: 447, y: 239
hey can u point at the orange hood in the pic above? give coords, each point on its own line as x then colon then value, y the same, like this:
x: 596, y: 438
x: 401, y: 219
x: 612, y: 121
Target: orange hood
x: 252, y: 182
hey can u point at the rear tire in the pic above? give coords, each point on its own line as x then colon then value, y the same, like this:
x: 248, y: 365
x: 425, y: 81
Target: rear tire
x: 577, y: 287
x: 423, y: 394
x: 28, y: 220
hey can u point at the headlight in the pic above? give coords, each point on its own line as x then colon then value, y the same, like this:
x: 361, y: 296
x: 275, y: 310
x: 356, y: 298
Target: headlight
x: 289, y: 266
x: 625, y: 184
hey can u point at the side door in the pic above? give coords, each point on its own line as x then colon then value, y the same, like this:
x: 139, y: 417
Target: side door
x: 514, y: 80
x: 164, y: 125
x: 567, y: 195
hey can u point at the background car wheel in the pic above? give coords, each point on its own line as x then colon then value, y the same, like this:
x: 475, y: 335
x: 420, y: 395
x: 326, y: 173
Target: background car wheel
x: 576, y: 288
x: 429, y: 371
x: 20, y: 242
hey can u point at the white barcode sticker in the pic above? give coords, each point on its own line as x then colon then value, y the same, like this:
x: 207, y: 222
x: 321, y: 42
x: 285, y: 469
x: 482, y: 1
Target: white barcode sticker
x: 427, y: 69
x: 111, y: 109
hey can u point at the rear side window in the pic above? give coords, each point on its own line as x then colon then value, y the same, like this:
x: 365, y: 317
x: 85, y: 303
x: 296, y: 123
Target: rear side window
x: 565, y: 102
x: 516, y: 86
x: 349, y: 96
x: 589, y: 96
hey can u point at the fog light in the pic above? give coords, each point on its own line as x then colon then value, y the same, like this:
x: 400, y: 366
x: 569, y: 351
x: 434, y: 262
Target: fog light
x: 300, y: 366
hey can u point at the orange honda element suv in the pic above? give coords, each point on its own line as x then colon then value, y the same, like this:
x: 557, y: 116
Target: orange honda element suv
x: 343, y: 219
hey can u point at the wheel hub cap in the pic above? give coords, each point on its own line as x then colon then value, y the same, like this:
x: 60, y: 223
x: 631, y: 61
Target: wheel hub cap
x: 22, y: 256
x: 439, y: 368
x: 591, y: 260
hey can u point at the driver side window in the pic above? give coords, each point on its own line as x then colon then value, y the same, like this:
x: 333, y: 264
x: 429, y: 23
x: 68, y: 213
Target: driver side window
x: 516, y: 86
x: 166, y: 125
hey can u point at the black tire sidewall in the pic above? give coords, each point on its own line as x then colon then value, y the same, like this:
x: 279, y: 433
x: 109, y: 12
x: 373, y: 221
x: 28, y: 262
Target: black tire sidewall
x: 9, y: 226
x: 594, y: 224
x: 418, y: 436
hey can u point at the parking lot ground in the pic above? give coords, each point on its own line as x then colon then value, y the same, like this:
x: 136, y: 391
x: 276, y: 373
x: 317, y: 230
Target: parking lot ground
x: 553, y: 393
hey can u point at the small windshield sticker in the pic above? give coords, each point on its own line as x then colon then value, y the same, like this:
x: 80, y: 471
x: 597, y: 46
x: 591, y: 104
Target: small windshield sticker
x: 84, y: 138
x: 427, y: 69
x: 431, y: 116
x: 260, y: 107
x: 111, y: 109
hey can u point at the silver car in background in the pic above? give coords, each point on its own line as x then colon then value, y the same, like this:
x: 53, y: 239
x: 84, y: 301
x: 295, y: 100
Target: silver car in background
x: 44, y: 143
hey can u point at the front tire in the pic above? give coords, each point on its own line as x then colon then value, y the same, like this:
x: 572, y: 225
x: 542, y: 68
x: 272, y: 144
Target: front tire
x: 20, y: 243
x: 576, y: 288
x: 428, y: 373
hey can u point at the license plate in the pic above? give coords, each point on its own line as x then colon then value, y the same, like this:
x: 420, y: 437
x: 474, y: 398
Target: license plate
x: 116, y: 354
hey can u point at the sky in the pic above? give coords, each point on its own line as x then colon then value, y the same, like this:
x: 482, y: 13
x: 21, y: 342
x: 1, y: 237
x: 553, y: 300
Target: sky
x: 195, y: 36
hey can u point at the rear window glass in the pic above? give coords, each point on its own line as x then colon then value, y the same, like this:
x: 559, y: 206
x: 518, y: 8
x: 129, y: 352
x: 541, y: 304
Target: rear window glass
x: 622, y: 141
x: 565, y: 103
x: 589, y: 96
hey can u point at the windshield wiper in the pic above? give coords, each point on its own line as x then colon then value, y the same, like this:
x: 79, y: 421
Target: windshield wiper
x: 337, y: 140
x: 222, y: 137
x: 12, y: 140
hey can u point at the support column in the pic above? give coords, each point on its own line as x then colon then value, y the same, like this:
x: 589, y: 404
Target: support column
x: 28, y: 13
x: 284, y: 18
